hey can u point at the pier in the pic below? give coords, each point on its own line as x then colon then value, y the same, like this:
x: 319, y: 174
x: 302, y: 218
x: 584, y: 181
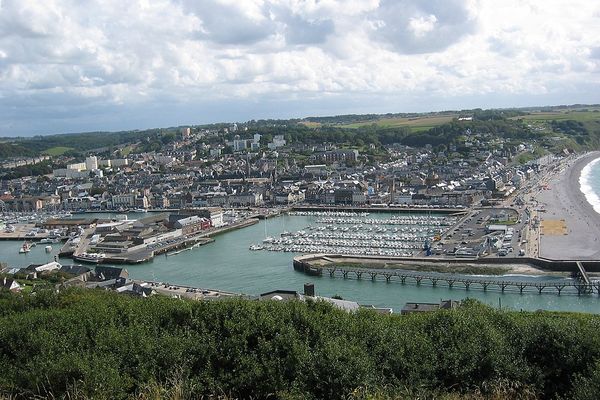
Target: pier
x: 583, y: 277
x: 451, y: 281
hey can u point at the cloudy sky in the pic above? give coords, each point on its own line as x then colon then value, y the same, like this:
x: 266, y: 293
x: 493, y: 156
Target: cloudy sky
x: 83, y: 65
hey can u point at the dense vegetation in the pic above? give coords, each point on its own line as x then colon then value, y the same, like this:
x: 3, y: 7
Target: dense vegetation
x: 494, y: 123
x: 75, y: 142
x: 486, y: 115
x: 95, y: 344
x: 9, y: 150
x: 580, y: 129
x: 42, y: 168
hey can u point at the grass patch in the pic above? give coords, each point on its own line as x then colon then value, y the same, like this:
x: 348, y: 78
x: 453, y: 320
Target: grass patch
x: 126, y: 150
x: 57, y: 150
x: 311, y: 124
x: 440, y: 268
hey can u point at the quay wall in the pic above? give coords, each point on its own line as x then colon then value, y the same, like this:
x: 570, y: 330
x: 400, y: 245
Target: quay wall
x: 303, y: 263
x: 378, y: 209
x: 238, y: 225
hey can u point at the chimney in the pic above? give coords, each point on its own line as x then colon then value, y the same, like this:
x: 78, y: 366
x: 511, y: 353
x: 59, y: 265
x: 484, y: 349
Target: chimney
x: 309, y: 289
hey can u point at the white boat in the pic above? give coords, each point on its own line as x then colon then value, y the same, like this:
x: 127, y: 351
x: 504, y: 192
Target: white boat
x: 26, y: 248
x: 48, y: 249
x: 50, y: 240
x: 92, y: 258
x: 256, y: 247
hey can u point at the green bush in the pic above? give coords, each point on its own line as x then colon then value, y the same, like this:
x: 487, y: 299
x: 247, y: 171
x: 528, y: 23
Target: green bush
x: 96, y: 344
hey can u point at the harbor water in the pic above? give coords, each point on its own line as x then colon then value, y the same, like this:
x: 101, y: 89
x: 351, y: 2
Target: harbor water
x: 228, y: 264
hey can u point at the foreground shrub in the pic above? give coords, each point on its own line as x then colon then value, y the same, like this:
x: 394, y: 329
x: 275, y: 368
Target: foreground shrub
x: 95, y: 344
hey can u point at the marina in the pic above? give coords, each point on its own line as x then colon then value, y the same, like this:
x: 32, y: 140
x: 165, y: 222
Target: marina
x: 344, y: 233
x: 228, y: 264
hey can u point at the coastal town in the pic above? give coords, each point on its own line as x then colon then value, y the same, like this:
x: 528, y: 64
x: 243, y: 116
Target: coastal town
x: 412, y: 205
x: 193, y: 188
x: 253, y: 172
x: 300, y: 200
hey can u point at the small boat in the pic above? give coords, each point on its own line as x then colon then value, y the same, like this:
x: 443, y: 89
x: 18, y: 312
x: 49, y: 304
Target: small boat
x: 26, y: 248
x: 50, y: 240
x: 256, y: 247
x: 92, y: 258
x: 48, y: 249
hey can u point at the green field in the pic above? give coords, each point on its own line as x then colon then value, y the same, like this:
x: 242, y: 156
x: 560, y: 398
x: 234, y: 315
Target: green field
x: 57, y: 150
x: 416, y: 124
x: 311, y: 124
x: 581, y: 116
x: 426, y: 122
x: 126, y: 150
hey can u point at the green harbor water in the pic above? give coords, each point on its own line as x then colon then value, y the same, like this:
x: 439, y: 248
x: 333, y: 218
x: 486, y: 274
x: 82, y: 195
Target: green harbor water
x: 228, y: 264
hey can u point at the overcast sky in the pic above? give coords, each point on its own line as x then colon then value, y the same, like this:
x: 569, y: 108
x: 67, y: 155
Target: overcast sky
x: 77, y: 65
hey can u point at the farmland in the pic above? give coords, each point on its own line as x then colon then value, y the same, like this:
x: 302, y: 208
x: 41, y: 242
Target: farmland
x: 576, y: 115
x: 416, y: 123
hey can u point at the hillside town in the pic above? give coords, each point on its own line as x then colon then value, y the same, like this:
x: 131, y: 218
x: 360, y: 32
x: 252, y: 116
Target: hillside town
x: 200, y: 168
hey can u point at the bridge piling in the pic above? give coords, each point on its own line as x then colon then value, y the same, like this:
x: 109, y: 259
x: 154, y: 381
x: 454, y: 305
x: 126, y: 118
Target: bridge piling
x: 578, y: 287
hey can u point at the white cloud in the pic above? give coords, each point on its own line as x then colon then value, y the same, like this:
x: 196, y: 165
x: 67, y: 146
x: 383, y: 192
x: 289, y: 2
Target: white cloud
x: 420, y: 26
x: 62, y: 58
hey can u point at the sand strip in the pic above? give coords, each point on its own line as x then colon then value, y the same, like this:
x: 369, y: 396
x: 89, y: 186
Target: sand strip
x: 564, y: 200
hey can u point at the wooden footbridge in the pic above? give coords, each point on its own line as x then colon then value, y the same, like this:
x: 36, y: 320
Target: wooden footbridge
x: 579, y: 286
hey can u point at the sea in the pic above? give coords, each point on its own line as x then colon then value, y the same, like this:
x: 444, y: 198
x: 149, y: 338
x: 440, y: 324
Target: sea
x: 228, y: 264
x: 590, y: 183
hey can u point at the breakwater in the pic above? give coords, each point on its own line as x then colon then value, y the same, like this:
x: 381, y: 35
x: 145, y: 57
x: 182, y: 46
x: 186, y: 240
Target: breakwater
x: 333, y: 266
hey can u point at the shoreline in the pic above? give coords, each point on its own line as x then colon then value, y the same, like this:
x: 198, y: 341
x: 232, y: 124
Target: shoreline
x: 565, y: 203
x: 586, y: 188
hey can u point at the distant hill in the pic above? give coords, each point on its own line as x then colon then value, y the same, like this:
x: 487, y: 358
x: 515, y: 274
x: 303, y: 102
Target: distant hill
x: 403, y: 123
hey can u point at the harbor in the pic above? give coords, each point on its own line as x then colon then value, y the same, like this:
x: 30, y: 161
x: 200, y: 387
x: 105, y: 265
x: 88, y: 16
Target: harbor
x: 359, y: 234
x: 229, y: 264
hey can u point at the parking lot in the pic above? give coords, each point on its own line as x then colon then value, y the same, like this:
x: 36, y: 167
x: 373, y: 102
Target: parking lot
x: 470, y: 236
